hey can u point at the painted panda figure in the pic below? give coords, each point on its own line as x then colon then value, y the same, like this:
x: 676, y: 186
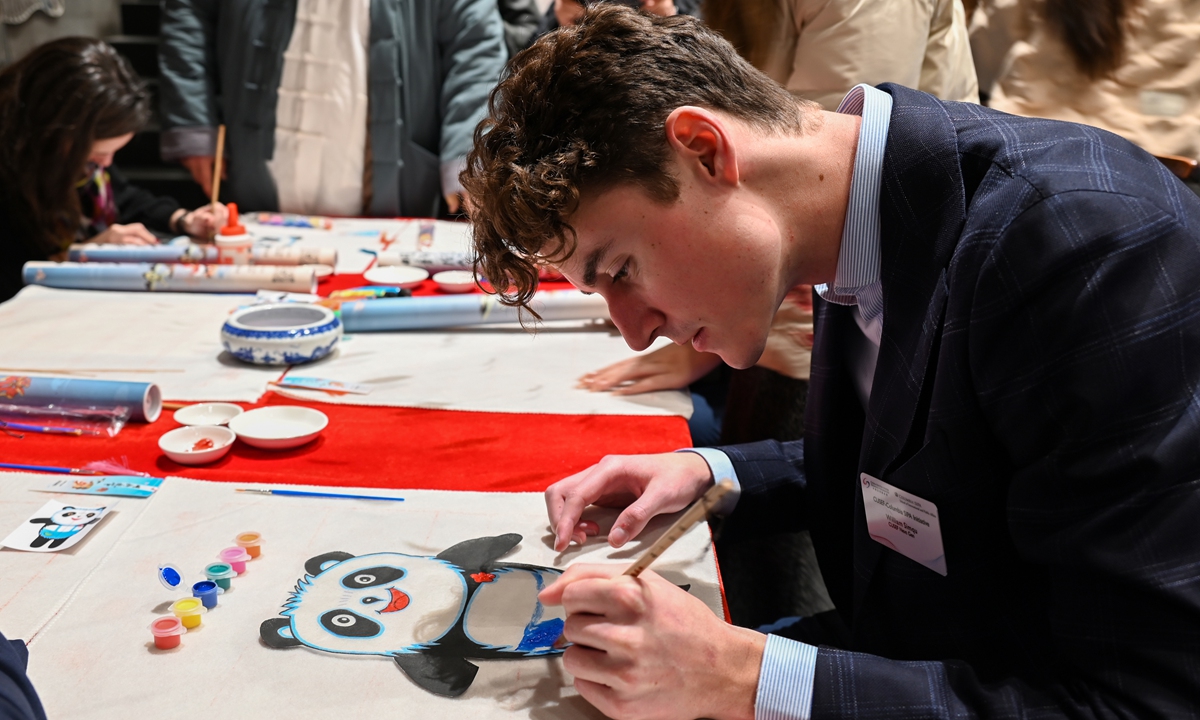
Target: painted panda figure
x: 64, y: 525
x: 429, y: 614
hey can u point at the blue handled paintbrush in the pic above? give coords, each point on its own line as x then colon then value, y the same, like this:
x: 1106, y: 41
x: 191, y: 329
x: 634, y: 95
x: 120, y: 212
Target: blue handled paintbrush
x: 303, y: 493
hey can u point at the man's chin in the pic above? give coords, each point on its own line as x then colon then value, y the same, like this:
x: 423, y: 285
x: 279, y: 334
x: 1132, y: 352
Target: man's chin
x: 743, y: 359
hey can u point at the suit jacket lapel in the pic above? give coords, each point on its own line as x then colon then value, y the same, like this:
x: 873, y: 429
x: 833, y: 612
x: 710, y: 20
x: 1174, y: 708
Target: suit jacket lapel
x: 922, y: 212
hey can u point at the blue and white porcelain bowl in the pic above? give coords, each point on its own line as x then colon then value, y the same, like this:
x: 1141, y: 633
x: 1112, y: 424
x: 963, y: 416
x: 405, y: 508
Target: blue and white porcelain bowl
x: 281, y: 333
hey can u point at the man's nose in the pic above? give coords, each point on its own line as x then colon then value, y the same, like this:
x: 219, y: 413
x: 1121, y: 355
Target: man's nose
x: 636, y: 321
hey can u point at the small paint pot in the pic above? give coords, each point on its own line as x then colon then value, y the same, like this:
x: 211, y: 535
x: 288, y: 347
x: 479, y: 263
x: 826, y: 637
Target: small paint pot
x: 189, y: 610
x: 206, y: 590
x: 166, y: 632
x: 221, y: 573
x: 170, y: 576
x: 251, y: 541
x: 236, y: 557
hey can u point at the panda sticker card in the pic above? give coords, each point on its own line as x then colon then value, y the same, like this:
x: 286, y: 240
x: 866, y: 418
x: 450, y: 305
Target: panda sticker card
x: 55, y: 526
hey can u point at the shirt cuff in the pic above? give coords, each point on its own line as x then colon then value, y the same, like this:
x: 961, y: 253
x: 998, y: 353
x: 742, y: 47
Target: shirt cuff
x: 785, y: 680
x: 450, y: 171
x: 722, y: 469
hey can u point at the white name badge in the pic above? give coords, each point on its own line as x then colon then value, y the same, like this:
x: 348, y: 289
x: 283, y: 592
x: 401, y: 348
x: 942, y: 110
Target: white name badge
x: 904, y: 522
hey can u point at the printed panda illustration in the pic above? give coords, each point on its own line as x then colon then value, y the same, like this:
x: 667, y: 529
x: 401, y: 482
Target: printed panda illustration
x: 64, y: 524
x: 429, y: 614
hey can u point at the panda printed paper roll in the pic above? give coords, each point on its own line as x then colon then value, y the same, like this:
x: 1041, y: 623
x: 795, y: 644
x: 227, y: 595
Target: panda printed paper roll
x: 420, y: 313
x: 192, y: 253
x: 166, y: 277
x: 144, y: 400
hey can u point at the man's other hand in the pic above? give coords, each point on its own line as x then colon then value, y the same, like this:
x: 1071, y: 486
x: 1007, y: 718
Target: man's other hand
x: 645, y: 485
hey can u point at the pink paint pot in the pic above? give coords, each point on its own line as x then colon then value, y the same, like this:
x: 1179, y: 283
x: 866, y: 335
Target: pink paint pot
x: 236, y: 557
x: 166, y: 632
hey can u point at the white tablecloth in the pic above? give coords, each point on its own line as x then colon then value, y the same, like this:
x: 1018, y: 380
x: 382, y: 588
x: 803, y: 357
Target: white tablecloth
x: 96, y: 659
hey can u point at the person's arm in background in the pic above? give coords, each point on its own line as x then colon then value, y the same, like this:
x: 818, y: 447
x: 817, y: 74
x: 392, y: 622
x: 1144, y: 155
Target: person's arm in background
x: 845, y: 42
x: 18, y: 700
x: 471, y: 39
x: 161, y: 213
x: 187, y: 67
x: 520, y: 23
x: 949, y: 69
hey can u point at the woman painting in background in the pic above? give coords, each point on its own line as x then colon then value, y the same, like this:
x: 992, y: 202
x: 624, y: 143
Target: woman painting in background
x: 65, y: 109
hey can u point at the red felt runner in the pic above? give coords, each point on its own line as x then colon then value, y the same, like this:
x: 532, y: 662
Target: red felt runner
x: 388, y: 447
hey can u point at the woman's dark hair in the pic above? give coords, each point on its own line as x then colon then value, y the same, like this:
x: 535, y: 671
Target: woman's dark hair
x: 54, y: 103
x: 1094, y: 31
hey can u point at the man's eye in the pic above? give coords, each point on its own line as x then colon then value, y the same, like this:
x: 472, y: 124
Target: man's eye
x: 622, y: 273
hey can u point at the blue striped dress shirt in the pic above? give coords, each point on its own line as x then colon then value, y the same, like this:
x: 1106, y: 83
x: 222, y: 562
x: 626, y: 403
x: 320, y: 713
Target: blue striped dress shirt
x: 785, y: 678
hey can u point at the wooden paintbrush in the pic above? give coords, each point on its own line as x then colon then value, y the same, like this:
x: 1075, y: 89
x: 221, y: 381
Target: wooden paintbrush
x: 694, y: 514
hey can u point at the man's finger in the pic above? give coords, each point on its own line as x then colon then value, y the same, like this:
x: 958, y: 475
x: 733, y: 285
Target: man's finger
x: 552, y: 595
x: 633, y: 519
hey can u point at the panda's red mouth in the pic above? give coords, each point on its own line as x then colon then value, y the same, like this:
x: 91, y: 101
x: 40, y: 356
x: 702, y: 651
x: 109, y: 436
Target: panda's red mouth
x: 399, y: 601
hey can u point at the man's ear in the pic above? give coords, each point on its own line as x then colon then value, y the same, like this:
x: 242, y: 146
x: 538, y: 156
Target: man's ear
x: 701, y: 139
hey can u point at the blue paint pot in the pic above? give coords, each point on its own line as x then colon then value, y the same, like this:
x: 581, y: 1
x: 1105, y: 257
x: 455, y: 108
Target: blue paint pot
x: 206, y: 590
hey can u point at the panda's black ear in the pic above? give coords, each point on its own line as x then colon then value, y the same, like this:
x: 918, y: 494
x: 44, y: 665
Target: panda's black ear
x: 445, y: 675
x: 479, y: 553
x: 277, y: 633
x: 317, y: 565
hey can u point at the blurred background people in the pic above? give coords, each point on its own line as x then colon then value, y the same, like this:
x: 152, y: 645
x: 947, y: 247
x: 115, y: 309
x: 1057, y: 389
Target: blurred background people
x: 1131, y: 67
x: 65, y: 109
x: 340, y: 107
x: 564, y: 13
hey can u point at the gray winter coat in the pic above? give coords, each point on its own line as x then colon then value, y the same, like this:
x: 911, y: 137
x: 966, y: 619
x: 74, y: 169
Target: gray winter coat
x: 432, y: 65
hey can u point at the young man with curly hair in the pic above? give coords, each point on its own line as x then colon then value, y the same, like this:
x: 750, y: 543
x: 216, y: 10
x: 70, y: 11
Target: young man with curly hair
x: 1001, y: 454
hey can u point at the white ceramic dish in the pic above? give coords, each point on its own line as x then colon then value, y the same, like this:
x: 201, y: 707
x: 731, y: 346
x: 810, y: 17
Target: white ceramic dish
x: 455, y: 281
x: 279, y: 427
x: 406, y: 276
x: 207, y: 414
x: 281, y: 333
x: 188, y: 445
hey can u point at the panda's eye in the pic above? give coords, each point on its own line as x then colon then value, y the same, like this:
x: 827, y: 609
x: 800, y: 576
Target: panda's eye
x: 371, y: 599
x: 349, y: 624
x: 372, y: 577
x: 68, y: 514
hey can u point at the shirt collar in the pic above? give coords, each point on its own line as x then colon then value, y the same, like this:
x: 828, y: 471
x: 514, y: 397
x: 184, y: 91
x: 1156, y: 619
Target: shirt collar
x: 857, y: 279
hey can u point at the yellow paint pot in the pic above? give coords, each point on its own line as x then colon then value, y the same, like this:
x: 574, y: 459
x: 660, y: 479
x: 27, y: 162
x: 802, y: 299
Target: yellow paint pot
x: 189, y: 610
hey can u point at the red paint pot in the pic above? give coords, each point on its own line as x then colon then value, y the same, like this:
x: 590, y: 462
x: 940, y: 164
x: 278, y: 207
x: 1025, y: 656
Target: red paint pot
x: 167, y: 632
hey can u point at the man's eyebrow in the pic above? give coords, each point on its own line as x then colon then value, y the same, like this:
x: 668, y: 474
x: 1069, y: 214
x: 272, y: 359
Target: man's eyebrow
x: 592, y: 261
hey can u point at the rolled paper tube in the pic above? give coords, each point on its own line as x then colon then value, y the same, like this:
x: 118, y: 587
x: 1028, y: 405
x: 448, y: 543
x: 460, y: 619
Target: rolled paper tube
x: 427, y: 259
x: 144, y: 400
x: 175, y: 254
x: 454, y: 310
x: 91, y: 252
x: 164, y: 277
x: 294, y: 256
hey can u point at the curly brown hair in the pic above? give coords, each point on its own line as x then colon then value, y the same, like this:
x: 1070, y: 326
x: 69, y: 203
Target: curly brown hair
x: 583, y: 110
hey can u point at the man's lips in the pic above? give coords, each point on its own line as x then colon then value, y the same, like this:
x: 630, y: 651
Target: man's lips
x: 399, y: 601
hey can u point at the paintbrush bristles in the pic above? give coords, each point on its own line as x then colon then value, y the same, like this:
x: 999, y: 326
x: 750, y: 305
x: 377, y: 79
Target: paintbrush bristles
x: 697, y: 512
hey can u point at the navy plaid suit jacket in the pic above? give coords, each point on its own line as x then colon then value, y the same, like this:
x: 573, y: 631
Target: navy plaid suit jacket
x: 1039, y: 380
